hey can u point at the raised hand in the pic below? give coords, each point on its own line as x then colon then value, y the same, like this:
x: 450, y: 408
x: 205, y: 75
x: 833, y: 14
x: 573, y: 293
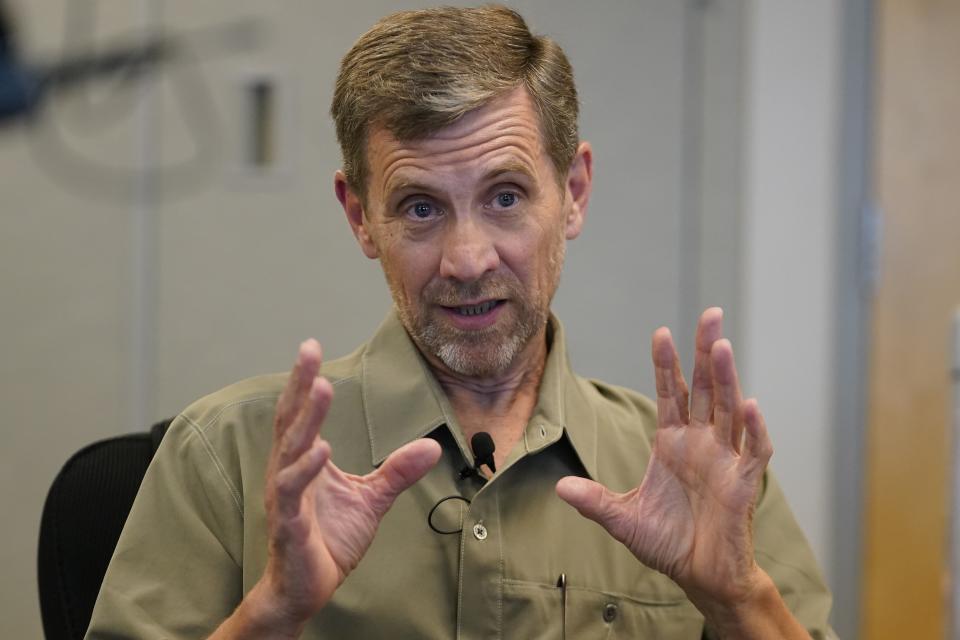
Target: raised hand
x: 690, y: 518
x: 320, y: 520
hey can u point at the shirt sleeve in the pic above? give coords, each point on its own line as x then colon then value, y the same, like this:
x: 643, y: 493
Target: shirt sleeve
x: 176, y: 570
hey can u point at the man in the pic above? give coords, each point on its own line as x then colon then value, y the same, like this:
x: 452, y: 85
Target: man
x: 363, y: 512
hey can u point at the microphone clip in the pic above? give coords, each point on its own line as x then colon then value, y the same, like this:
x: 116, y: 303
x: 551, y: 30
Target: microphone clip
x: 483, y: 448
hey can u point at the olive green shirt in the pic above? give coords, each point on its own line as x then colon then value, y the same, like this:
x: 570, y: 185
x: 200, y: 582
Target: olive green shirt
x: 196, y: 541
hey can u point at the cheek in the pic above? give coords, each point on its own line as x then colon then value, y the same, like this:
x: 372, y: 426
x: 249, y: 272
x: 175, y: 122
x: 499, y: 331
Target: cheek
x: 550, y: 258
x: 409, y: 268
x: 530, y: 256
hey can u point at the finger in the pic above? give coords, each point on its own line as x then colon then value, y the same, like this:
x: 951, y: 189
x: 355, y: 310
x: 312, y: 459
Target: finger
x: 301, y: 377
x: 709, y: 330
x: 727, y: 409
x: 683, y: 391
x: 759, y: 447
x: 300, y: 435
x: 403, y: 468
x: 293, y: 479
x: 594, y: 501
x: 664, y: 367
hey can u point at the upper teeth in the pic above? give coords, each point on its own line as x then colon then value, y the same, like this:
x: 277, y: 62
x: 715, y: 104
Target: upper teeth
x: 476, y: 309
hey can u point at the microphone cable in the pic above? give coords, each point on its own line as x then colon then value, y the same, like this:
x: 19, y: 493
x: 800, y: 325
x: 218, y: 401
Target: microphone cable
x: 483, y: 449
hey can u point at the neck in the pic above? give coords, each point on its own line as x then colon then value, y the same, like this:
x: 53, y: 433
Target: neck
x: 500, y: 404
x: 497, y: 390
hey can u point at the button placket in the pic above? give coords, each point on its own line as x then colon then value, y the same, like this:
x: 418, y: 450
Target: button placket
x: 478, y: 614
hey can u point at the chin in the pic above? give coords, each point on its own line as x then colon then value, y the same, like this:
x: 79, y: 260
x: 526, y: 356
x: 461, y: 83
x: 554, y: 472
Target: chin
x: 480, y: 361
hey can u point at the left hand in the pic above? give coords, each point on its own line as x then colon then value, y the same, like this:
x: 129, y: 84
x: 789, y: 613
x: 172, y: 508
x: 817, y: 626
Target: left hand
x: 691, y: 516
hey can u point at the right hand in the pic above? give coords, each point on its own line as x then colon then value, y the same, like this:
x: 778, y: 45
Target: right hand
x: 321, y: 520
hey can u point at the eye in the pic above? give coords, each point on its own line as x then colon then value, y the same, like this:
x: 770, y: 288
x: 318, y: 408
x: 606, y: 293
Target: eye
x: 505, y: 200
x: 421, y: 210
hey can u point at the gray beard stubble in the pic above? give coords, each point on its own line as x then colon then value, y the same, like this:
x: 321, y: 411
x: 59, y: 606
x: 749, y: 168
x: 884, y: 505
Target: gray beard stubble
x: 476, y: 353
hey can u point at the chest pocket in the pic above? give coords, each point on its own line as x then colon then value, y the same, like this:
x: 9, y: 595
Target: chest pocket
x: 532, y: 610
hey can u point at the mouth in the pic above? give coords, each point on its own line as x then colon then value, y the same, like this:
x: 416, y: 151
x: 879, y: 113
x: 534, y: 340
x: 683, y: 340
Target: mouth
x: 479, y: 309
x: 479, y: 315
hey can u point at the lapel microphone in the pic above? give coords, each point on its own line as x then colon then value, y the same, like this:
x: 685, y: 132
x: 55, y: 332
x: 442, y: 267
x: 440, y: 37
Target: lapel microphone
x: 483, y: 448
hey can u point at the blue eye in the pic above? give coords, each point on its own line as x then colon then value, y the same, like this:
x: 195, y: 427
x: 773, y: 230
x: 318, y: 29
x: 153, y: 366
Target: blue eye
x: 421, y: 210
x: 506, y: 200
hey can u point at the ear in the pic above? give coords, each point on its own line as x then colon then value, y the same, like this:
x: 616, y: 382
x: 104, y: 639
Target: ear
x: 579, y: 184
x: 353, y: 208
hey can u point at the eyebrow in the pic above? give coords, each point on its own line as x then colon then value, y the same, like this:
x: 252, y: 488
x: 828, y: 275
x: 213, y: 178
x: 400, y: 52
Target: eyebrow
x: 512, y: 166
x: 397, y: 184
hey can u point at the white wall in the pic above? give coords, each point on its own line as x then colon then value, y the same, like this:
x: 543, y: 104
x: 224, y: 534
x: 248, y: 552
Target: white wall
x: 64, y: 312
x: 790, y: 263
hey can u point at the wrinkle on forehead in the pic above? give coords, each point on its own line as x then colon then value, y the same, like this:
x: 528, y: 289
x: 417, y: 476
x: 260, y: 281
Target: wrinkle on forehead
x: 498, y: 156
x: 504, y: 131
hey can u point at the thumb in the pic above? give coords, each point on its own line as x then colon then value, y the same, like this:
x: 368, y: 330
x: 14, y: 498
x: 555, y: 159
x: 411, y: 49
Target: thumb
x: 591, y: 499
x: 404, y: 467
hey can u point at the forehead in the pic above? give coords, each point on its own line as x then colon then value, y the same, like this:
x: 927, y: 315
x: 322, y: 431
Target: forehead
x: 503, y: 134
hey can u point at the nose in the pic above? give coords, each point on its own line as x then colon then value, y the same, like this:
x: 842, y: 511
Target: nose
x: 468, y: 251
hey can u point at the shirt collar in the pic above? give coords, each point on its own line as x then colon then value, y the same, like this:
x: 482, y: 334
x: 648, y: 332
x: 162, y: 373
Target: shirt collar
x: 403, y: 401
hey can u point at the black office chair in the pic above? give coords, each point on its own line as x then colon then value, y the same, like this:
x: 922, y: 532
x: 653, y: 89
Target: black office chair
x: 82, y: 518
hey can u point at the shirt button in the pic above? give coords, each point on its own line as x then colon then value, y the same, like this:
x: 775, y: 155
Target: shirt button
x: 609, y: 612
x: 479, y: 531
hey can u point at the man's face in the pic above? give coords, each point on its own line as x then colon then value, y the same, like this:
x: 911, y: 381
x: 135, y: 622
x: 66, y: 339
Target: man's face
x: 470, y: 225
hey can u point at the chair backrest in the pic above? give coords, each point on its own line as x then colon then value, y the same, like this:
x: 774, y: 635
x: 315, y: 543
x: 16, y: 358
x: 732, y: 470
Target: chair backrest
x: 83, y: 515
